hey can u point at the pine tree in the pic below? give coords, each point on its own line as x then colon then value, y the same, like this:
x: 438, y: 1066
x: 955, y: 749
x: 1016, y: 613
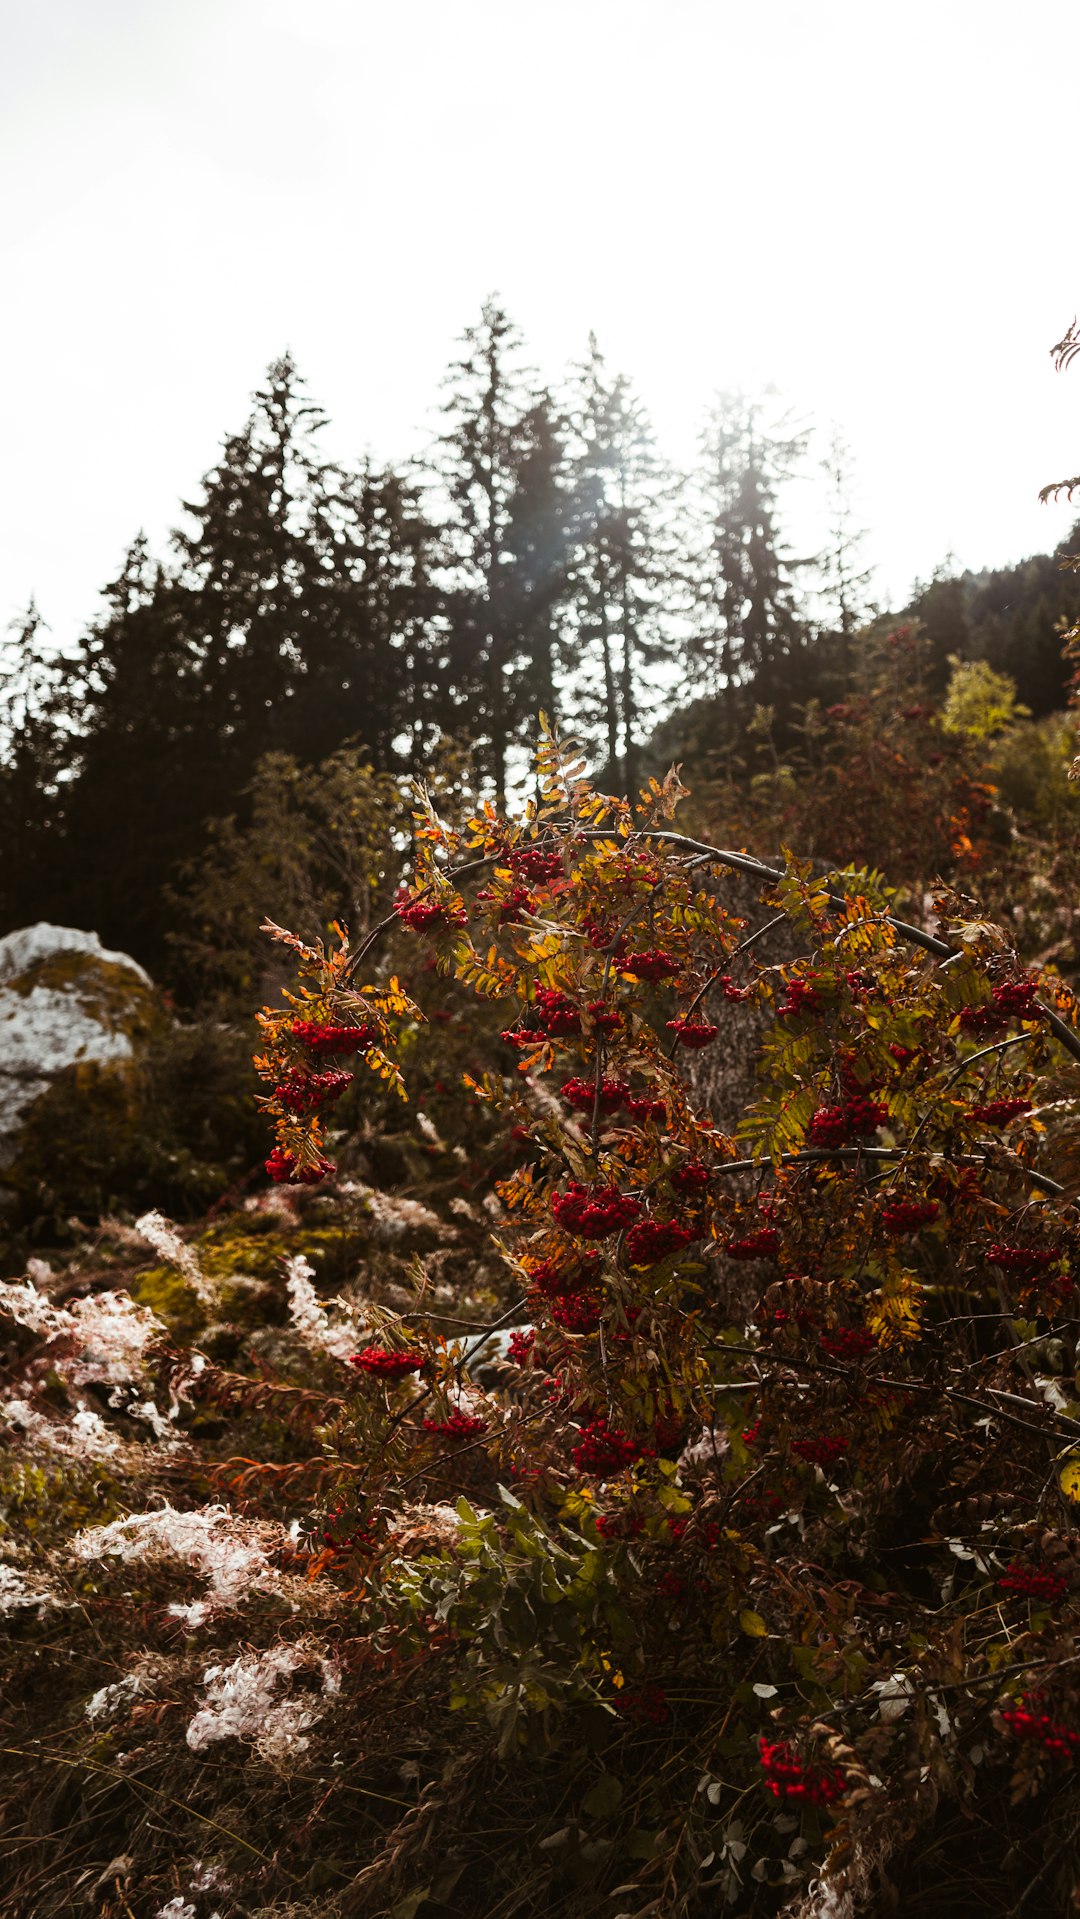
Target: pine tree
x: 540, y: 537
x: 478, y: 462
x: 258, y: 569
x: 843, y: 579
x: 623, y: 558
x: 146, y: 769
x: 375, y: 666
x: 36, y: 713
x: 746, y: 629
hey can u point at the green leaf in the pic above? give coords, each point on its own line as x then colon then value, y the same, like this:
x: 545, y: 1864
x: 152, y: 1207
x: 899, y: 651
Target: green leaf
x: 603, y: 1797
x: 408, y: 1906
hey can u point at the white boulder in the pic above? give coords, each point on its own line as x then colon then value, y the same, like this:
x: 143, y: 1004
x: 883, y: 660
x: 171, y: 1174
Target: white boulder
x: 65, y: 1000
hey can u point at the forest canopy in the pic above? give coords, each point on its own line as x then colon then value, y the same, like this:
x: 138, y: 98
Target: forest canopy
x: 539, y: 556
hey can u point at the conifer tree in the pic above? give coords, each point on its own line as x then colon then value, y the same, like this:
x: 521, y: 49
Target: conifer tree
x: 258, y: 569
x: 146, y: 769
x: 477, y: 460
x: 376, y: 667
x: 844, y: 579
x: 36, y: 711
x: 746, y: 628
x: 623, y: 557
x: 540, y: 540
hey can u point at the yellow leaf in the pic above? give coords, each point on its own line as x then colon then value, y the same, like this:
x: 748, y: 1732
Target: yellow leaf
x: 1069, y: 1479
x: 753, y: 1624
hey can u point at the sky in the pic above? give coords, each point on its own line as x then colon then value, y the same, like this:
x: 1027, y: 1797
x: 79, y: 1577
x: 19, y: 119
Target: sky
x: 868, y: 207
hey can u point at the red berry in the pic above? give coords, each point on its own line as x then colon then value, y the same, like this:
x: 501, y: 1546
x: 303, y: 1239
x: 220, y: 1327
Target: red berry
x: 419, y: 914
x: 457, y: 1425
x: 998, y: 1112
x: 760, y: 1245
x: 322, y: 1038
x: 824, y: 1450
x: 381, y: 1363
x: 656, y: 1239
x: 604, y: 1450
x: 654, y: 964
x: 693, y: 1032
x: 904, y: 1216
x: 556, y: 1015
x: 594, y: 1212
x: 282, y: 1168
x: 584, y: 1093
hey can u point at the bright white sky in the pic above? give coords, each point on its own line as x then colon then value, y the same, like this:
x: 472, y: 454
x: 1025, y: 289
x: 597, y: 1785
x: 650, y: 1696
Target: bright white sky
x: 872, y: 207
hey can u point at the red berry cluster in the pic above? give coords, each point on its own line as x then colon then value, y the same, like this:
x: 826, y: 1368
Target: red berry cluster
x: 1034, y: 1582
x: 332, y: 1039
x: 907, y: 1215
x: 302, y: 1092
x: 800, y: 996
x: 903, y: 1055
x: 642, y: 1107
x: 982, y: 1022
x: 693, y: 1032
x: 603, y: 1450
x: 578, y: 1314
x: 519, y: 1347
x: 788, y: 1778
x: 1023, y: 1259
x: 823, y: 1451
x: 645, y: 1705
x: 1013, y: 999
x: 519, y: 900
x: 1028, y: 1720
x: 420, y: 914
x: 620, y: 1525
x: 836, y: 1125
x: 605, y: 1018
x: 656, y: 1239
x: 848, y: 1342
x: 709, y: 1533
x: 829, y: 1127
x: 282, y: 1168
x: 583, y: 1093
x: 522, y: 1040
x: 557, y: 1016
x: 690, y: 1178
x: 731, y: 991
x: 458, y: 1425
x: 764, y: 1244
x: 861, y: 982
x: 594, y: 1212
x: 998, y: 1112
x: 652, y: 964
x: 1016, y: 998
x: 535, y: 865
x: 381, y: 1363
x: 601, y: 937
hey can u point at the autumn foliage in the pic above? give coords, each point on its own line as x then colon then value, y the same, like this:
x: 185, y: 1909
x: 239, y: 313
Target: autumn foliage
x: 781, y: 1451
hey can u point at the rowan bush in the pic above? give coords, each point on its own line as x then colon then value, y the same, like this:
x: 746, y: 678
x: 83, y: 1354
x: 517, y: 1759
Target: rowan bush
x: 713, y: 1549
x: 905, y: 1380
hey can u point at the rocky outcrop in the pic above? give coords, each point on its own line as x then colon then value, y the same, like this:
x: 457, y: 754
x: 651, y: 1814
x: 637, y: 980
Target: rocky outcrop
x: 65, y: 1001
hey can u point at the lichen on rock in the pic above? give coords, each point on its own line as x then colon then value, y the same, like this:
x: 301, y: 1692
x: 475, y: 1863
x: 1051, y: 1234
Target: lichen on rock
x: 65, y: 1001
